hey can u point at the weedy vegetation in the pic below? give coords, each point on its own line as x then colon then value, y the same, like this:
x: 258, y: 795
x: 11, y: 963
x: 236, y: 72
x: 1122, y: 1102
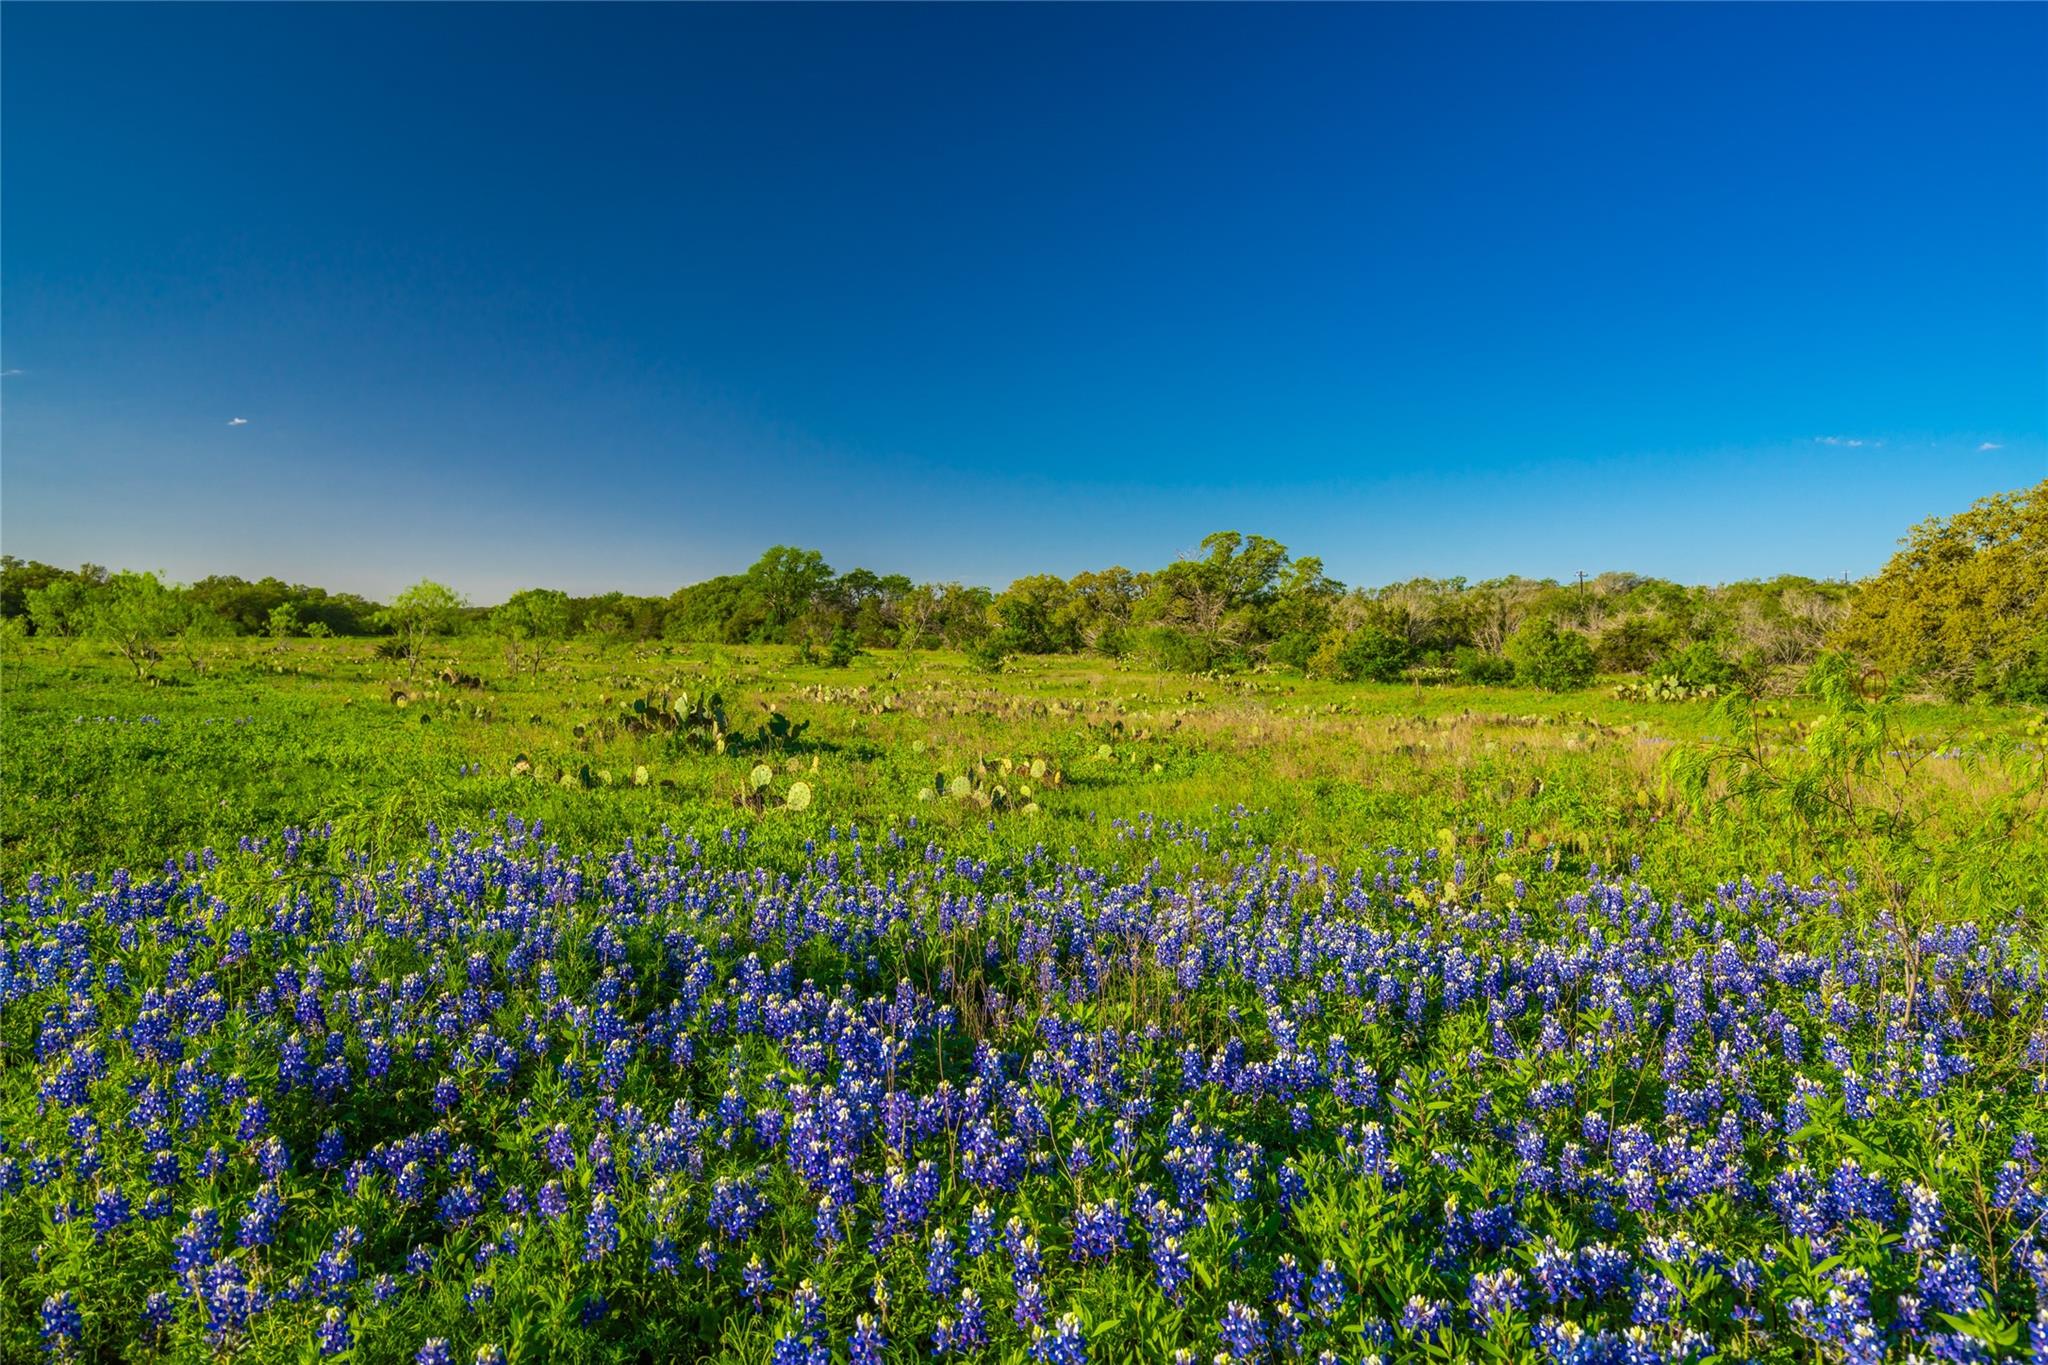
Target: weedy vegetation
x: 566, y: 993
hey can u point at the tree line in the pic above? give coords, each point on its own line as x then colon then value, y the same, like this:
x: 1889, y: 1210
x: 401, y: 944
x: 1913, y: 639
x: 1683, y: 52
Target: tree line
x: 1961, y: 606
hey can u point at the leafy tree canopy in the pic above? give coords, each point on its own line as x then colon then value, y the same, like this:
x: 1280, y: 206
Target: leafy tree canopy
x: 1964, y: 603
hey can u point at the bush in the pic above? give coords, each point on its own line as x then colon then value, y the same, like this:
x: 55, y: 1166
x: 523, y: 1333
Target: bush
x: 1368, y: 655
x: 845, y: 645
x: 1630, y: 644
x: 1485, y: 670
x: 1294, y: 651
x: 2023, y: 680
x: 1699, y: 664
x: 1374, y: 655
x: 1552, y: 659
x: 1177, y: 651
x: 990, y: 652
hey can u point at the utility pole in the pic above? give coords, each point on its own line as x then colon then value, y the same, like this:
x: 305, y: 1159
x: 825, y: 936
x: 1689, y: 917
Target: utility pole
x: 1582, y: 597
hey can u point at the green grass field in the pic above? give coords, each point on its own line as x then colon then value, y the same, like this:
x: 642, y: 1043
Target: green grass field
x: 102, y: 771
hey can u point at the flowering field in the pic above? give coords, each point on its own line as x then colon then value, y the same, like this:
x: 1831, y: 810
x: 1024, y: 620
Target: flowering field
x: 1061, y: 1086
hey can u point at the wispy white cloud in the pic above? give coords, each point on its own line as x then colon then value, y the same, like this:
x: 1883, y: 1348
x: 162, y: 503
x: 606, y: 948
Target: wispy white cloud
x: 1990, y: 445
x: 1850, y: 441
x: 238, y: 421
x: 8, y: 374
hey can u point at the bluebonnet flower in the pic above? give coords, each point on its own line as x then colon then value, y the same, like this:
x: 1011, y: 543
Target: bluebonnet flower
x: 1494, y: 1296
x: 110, y: 1210
x: 600, y: 1229
x: 810, y: 1307
x: 941, y: 1270
x: 1030, y: 1308
x: 259, y: 1223
x: 63, y: 1325
x: 1064, y: 1345
x: 756, y: 1283
x: 866, y: 1345
x: 1326, y: 1293
x: 1243, y: 1332
x: 1923, y: 1218
x: 695, y: 974
x: 558, y: 1149
x: 1288, y: 1280
x: 981, y: 1226
x: 972, y: 1330
x: 1424, y: 1318
x: 1098, y: 1231
x: 1170, y: 1266
x: 334, y: 1334
x: 1287, y: 1328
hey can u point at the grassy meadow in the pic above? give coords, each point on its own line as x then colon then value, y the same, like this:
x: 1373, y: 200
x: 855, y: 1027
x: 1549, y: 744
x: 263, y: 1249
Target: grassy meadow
x: 103, y: 771
x: 698, y: 1003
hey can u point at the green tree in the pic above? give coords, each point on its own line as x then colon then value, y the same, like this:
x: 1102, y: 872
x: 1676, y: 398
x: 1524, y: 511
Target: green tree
x: 59, y: 608
x: 530, y: 621
x: 20, y: 577
x: 1553, y: 659
x: 1374, y: 655
x: 1477, y: 667
x: 783, y: 583
x: 713, y: 611
x: 1035, y: 615
x: 943, y: 614
x: 199, y: 633
x: 1201, y: 609
x: 137, y: 613
x: 1099, y: 608
x: 1303, y: 601
x: 1699, y: 664
x: 1961, y: 605
x: 283, y: 621
x: 1371, y: 653
x: 880, y: 618
x: 422, y: 611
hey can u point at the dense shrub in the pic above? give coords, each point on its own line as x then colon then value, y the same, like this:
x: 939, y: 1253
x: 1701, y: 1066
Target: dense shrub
x: 1374, y: 655
x: 1294, y: 651
x: 1552, y: 659
x: 1179, y: 651
x: 1486, y: 670
x: 1631, y: 644
x: 2019, y: 679
x: 1112, y: 642
x: 1699, y: 665
x: 988, y: 654
x: 845, y: 647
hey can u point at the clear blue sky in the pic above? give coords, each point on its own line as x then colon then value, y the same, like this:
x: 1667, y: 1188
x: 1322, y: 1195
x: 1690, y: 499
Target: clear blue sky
x: 617, y: 296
